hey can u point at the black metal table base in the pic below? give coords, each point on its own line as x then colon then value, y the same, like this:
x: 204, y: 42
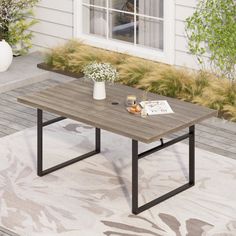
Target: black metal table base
x: 40, y: 126
x: 136, y: 209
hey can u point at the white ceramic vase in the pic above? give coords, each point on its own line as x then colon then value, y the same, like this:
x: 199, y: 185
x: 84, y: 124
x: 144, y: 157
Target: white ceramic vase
x: 99, y: 90
x: 6, y: 55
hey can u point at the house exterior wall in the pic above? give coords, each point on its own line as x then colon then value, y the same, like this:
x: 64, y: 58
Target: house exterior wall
x: 56, y: 26
x: 183, y: 9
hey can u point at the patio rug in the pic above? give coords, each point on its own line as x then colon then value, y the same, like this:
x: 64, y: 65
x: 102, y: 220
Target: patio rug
x: 92, y: 197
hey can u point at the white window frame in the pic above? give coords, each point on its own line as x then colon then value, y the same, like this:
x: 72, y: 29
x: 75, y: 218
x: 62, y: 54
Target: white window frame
x: 166, y: 55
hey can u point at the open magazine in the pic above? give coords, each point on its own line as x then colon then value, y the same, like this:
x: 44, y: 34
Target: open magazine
x: 157, y: 107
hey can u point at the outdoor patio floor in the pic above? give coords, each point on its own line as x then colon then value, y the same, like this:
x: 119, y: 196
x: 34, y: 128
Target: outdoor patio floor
x: 22, y: 72
x: 214, y: 135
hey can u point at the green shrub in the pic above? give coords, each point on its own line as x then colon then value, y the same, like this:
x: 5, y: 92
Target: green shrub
x: 15, y: 22
x: 211, y: 31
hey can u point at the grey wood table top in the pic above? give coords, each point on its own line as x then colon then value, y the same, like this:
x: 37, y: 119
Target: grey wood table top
x: 74, y: 100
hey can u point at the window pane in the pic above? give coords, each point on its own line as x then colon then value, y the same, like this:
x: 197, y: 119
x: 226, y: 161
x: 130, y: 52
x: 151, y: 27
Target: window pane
x: 150, y: 8
x: 124, y: 5
x: 102, y: 3
x: 94, y: 21
x: 150, y: 32
x: 121, y: 26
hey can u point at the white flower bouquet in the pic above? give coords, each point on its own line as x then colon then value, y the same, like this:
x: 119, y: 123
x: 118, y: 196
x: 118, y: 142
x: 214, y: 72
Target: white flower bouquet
x: 100, y: 72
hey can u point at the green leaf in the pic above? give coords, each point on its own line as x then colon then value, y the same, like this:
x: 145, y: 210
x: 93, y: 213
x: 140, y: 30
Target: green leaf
x: 213, y: 24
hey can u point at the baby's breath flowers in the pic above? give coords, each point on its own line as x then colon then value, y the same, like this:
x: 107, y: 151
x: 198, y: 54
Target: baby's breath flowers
x: 100, y: 72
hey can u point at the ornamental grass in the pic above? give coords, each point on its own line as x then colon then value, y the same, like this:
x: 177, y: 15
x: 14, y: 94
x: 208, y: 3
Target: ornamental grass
x: 198, y: 87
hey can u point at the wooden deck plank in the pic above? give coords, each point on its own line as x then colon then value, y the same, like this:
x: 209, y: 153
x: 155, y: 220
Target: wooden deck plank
x: 230, y: 140
x: 218, y: 130
x: 16, y: 107
x: 6, y: 113
x: 10, y: 118
x: 220, y: 124
x: 217, y: 148
x: 5, y: 128
x: 2, y: 134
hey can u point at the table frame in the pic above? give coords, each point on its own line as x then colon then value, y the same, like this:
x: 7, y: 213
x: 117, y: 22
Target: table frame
x: 136, y: 209
x: 136, y: 156
x: 40, y: 125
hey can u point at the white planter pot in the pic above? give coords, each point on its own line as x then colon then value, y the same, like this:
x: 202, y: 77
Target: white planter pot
x: 6, y: 55
x: 99, y: 91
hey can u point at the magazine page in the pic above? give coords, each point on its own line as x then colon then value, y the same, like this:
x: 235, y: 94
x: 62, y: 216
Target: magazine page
x: 157, y: 107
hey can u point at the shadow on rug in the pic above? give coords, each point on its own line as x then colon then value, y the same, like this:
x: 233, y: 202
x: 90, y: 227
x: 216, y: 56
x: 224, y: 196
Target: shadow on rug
x: 5, y: 232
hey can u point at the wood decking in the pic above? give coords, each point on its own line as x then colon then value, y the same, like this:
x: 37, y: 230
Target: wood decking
x: 214, y: 135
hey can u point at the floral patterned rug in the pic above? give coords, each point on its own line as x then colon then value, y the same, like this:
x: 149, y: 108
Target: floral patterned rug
x: 5, y: 232
x: 93, y: 197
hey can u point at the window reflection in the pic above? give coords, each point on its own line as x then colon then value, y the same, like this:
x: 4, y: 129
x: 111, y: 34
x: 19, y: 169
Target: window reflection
x: 122, y: 26
x: 150, y: 32
x: 123, y: 5
x: 94, y: 21
x: 150, y: 8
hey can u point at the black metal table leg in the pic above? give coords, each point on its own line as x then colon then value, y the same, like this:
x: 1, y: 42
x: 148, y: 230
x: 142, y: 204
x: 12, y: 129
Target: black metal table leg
x: 136, y: 209
x: 134, y: 176
x: 40, y: 125
x: 98, y: 140
x: 192, y: 155
x: 40, y: 142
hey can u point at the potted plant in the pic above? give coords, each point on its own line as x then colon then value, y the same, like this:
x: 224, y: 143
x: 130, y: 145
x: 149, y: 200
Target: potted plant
x: 100, y: 73
x: 14, y: 24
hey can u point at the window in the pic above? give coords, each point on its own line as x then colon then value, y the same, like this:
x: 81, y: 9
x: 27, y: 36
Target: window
x: 138, y: 27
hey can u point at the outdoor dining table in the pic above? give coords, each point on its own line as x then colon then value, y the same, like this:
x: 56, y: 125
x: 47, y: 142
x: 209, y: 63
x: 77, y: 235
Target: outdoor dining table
x: 74, y: 100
